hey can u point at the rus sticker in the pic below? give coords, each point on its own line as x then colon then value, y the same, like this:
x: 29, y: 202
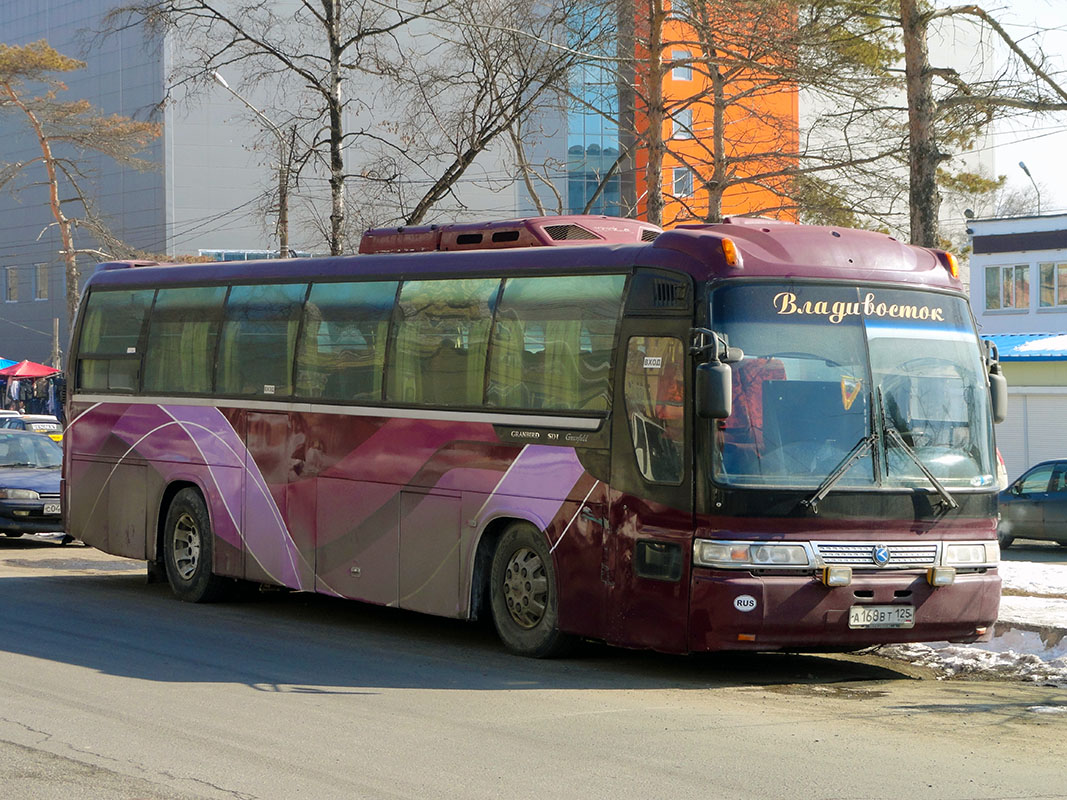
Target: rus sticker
x: 745, y: 602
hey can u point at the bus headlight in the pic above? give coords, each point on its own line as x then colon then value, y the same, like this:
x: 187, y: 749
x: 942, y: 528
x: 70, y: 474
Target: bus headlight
x: 970, y: 554
x: 707, y: 553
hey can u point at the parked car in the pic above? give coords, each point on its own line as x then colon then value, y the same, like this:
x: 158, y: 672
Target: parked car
x: 37, y: 423
x: 1034, y: 506
x: 29, y: 484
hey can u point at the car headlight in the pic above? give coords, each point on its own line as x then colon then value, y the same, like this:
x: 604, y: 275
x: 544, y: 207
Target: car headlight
x: 709, y: 553
x: 19, y: 494
x: 970, y: 554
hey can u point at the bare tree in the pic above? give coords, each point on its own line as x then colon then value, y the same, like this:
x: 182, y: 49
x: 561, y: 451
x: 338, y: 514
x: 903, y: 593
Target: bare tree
x: 305, y: 51
x: 476, y: 87
x: 452, y: 77
x: 737, y: 131
x: 64, y: 131
x: 943, y: 104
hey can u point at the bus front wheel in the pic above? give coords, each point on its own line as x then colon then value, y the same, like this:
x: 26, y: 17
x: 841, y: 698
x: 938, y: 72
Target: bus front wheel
x: 188, y: 548
x: 524, y: 596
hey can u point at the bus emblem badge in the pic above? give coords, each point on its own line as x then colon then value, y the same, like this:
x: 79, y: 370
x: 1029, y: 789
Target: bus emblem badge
x: 880, y: 555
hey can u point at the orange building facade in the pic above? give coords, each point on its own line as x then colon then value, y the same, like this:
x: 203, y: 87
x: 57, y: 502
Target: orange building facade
x: 730, y: 133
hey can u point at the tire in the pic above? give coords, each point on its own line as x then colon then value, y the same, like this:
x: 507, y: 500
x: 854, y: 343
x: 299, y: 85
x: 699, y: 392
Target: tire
x: 1005, y: 540
x: 188, y: 550
x: 524, y: 596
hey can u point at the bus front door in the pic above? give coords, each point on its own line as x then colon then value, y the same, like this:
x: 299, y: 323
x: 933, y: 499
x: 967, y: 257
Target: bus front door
x: 646, y: 551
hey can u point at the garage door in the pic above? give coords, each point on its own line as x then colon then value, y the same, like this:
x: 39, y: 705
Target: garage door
x: 1035, y: 430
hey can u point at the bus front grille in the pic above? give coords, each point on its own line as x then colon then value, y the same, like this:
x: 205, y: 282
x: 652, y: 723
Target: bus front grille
x: 863, y: 554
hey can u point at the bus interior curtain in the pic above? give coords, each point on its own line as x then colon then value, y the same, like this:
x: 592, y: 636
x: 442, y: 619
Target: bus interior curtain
x: 312, y: 365
x: 194, y: 356
x: 407, y: 366
x: 229, y: 374
x: 92, y: 373
x: 506, y: 378
x: 477, y: 344
x: 562, y: 343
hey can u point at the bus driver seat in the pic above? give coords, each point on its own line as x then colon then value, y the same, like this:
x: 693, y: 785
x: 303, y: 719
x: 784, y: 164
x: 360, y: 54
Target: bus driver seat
x: 743, y: 429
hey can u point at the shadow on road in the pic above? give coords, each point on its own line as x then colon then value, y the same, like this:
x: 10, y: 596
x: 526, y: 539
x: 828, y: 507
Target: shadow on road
x: 116, y: 623
x: 1033, y: 550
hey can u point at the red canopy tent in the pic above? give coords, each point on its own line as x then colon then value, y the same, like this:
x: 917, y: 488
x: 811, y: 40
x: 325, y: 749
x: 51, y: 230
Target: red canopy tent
x: 28, y: 369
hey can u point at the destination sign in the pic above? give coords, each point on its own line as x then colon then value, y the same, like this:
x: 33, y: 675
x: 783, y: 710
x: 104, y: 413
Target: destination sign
x: 835, y: 311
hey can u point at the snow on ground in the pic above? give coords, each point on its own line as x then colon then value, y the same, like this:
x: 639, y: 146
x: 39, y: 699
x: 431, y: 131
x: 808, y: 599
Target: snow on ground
x: 1030, y: 642
x: 1037, y: 578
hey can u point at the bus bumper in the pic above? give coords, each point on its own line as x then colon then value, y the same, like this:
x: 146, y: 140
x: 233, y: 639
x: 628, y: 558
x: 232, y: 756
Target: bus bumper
x: 740, y: 611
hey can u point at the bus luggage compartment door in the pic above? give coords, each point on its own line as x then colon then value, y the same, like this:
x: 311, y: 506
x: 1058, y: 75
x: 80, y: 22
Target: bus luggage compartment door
x: 430, y: 552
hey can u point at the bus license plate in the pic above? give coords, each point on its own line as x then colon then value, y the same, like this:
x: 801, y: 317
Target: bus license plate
x: 881, y: 617
x: 51, y: 508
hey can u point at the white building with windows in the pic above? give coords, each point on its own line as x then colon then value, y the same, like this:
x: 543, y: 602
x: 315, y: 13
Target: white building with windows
x: 1019, y: 295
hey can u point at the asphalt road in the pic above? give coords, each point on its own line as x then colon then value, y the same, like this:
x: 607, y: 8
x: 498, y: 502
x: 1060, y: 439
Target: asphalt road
x: 110, y: 688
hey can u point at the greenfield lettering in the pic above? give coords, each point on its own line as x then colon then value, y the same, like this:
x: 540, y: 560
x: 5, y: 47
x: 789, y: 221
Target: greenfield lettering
x: 785, y: 303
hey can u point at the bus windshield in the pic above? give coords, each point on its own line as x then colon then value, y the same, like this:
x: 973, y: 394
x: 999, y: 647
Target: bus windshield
x: 826, y: 366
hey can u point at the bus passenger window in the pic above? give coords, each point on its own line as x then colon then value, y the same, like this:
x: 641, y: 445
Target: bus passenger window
x: 341, y: 354
x: 109, y: 355
x: 439, y: 347
x: 553, y: 341
x: 259, y: 339
x: 655, y: 406
x: 182, y: 332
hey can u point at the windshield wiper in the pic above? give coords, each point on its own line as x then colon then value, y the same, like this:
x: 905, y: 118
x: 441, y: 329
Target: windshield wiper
x: 862, y: 448
x: 898, y: 440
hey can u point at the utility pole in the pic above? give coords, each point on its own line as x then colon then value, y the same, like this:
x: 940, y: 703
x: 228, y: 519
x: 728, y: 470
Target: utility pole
x: 55, y: 342
x: 283, y: 167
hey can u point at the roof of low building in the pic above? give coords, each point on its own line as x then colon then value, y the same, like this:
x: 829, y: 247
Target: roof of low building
x: 1030, y: 346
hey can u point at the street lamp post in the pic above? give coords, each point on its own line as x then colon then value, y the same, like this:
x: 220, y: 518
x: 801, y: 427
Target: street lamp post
x: 283, y: 167
x: 1022, y: 166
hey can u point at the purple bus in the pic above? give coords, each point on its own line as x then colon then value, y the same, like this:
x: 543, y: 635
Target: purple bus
x: 752, y: 436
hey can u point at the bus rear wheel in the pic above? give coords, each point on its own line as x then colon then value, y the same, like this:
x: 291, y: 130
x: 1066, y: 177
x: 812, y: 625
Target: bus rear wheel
x: 524, y: 596
x: 188, y: 550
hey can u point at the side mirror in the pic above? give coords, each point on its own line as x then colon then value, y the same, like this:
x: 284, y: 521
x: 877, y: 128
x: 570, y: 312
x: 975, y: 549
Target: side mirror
x: 714, y: 390
x: 998, y: 394
x: 998, y: 385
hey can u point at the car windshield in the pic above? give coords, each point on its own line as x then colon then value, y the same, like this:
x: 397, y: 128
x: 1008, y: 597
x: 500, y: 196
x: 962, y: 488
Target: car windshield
x: 29, y: 450
x: 825, y: 366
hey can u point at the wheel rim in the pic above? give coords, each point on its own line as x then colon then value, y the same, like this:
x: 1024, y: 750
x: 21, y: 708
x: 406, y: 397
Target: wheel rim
x: 526, y: 588
x: 186, y: 546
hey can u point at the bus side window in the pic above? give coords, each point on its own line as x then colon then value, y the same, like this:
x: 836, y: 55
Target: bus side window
x: 655, y: 406
x: 439, y: 345
x: 182, y: 333
x: 552, y: 343
x: 259, y: 339
x: 341, y: 354
x: 109, y: 355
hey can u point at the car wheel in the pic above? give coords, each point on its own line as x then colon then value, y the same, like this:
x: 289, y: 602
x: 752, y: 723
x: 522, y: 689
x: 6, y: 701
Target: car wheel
x: 188, y: 550
x: 1005, y: 540
x: 524, y: 596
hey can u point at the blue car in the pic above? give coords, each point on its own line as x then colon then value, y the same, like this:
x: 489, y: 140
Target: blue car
x: 1035, y: 505
x: 29, y: 484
